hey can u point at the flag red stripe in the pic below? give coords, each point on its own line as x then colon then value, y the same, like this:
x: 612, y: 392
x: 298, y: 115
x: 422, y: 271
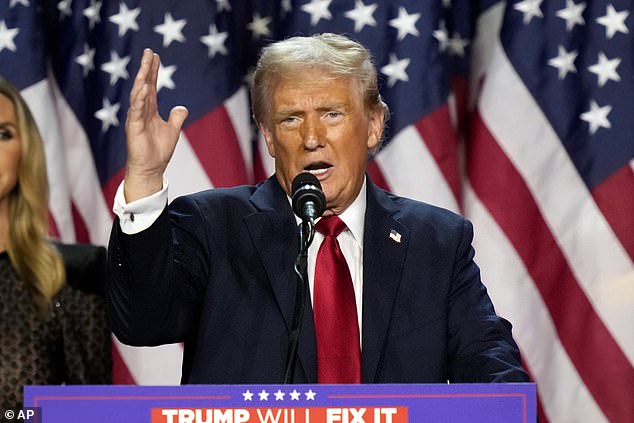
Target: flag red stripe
x: 53, y: 230
x: 442, y: 143
x: 596, y: 355
x: 81, y: 230
x: 216, y: 144
x: 615, y: 198
x: 109, y: 189
x: 376, y: 175
x: 120, y: 373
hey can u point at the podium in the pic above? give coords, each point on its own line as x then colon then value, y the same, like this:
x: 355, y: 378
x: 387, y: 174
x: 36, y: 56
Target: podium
x: 381, y: 403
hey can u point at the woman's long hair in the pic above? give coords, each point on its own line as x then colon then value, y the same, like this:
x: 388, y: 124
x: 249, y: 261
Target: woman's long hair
x: 34, y: 258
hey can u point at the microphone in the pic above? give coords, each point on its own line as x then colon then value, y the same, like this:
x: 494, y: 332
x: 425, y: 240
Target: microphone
x: 309, y: 201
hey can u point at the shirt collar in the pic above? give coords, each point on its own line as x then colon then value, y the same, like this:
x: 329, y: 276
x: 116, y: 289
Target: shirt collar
x: 353, y: 216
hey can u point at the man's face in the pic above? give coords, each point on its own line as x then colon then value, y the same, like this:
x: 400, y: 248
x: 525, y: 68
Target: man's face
x: 319, y: 124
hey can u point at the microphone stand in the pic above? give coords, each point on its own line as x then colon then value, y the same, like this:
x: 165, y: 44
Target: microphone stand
x: 306, y: 234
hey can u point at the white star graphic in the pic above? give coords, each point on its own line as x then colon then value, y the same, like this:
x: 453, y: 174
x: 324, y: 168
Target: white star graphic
x: 572, y: 14
x: 22, y: 2
x: 279, y: 395
x: 530, y: 8
x: 295, y: 395
x: 442, y: 36
x: 395, y: 70
x: 287, y: 7
x: 223, y: 5
x: 318, y: 9
x: 597, y: 117
x: 259, y: 26
x: 606, y: 69
x: 64, y: 9
x: 215, y: 41
x: 310, y: 395
x: 564, y: 62
x: 457, y: 44
x: 361, y: 15
x: 6, y: 37
x: 264, y: 396
x: 405, y: 23
x: 171, y: 30
x: 116, y: 67
x: 86, y: 59
x: 108, y: 115
x: 614, y: 21
x: 247, y: 395
x: 92, y: 13
x: 164, y: 79
x: 126, y: 19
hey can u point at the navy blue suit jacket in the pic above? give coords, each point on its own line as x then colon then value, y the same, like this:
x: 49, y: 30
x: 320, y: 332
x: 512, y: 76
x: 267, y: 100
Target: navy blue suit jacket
x: 215, y: 271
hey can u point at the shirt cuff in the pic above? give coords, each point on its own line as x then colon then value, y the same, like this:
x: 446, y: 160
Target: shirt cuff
x: 140, y: 214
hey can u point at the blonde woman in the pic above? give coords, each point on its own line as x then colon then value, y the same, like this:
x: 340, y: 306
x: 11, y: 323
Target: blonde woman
x: 52, y: 321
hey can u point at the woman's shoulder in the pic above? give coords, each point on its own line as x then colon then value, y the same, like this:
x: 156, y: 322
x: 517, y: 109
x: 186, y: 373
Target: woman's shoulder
x: 85, y: 266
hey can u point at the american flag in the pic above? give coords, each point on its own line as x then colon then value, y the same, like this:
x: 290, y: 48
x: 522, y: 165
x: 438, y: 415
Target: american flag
x: 518, y: 115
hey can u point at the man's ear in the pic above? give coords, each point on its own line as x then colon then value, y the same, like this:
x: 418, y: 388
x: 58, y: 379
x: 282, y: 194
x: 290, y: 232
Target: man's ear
x: 268, y: 137
x: 375, y: 129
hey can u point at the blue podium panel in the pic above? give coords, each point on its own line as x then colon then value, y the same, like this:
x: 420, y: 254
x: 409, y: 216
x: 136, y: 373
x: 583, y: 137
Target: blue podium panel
x: 402, y: 403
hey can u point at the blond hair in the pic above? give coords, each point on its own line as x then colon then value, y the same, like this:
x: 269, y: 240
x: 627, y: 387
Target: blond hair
x: 34, y: 258
x: 334, y: 53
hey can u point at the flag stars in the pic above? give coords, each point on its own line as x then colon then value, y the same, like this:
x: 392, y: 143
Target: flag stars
x: 395, y: 70
x: 126, y: 19
x: 614, y: 21
x: 259, y: 26
x: 108, y: 115
x: 405, y: 23
x: 86, y: 59
x: 606, y: 69
x: 164, y: 79
x: 457, y: 44
x: 530, y: 8
x: 442, y: 36
x: 16, y: 2
x: 564, y: 62
x: 287, y: 7
x: 223, y: 5
x: 318, y: 9
x: 116, y: 67
x: 7, y: 36
x: 64, y: 9
x: 361, y: 15
x: 92, y: 13
x: 215, y: 41
x: 597, y: 117
x: 171, y: 30
x: 572, y: 14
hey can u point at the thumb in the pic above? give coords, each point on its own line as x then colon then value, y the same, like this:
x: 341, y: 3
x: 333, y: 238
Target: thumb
x: 177, y: 116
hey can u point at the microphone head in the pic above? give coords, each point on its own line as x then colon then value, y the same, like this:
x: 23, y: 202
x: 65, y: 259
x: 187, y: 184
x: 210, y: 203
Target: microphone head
x: 306, y: 191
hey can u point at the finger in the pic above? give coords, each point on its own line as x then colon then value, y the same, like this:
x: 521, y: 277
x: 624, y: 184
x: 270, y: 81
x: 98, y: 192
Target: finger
x: 177, y: 116
x: 142, y: 74
x: 153, y: 81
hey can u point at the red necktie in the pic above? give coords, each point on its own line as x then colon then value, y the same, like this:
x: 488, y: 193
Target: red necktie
x: 335, y: 310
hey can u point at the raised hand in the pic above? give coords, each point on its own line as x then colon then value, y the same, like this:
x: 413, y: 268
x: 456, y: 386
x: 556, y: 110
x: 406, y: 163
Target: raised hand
x: 151, y: 140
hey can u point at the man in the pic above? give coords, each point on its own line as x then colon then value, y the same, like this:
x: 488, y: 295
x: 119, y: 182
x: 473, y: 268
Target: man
x: 215, y: 269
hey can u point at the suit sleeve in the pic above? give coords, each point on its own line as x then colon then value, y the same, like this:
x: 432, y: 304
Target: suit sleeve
x: 481, y: 346
x: 156, y: 277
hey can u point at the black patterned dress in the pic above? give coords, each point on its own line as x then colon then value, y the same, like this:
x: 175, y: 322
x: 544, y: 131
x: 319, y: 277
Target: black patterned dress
x: 70, y: 345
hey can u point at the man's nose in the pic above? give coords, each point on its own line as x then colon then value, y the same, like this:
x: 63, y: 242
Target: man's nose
x: 313, y: 133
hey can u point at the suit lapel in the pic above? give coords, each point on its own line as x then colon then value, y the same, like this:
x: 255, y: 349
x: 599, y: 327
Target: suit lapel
x: 274, y: 234
x: 384, y: 251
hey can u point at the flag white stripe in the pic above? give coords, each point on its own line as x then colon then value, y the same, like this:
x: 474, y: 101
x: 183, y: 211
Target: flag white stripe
x: 595, y: 255
x: 237, y: 107
x: 411, y: 171
x: 184, y: 172
x: 152, y: 365
x: 562, y: 392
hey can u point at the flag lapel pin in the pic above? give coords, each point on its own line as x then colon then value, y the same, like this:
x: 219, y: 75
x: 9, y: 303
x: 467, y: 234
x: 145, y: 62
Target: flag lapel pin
x: 395, y: 236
